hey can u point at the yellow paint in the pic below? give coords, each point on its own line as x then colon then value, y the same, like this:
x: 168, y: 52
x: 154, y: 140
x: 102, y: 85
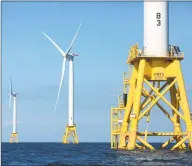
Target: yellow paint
x: 70, y: 132
x: 14, y: 138
x: 161, y: 75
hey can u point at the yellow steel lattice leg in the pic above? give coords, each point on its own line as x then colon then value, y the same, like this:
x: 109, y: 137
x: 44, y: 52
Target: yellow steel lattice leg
x: 136, y: 106
x: 128, y: 108
x: 14, y: 138
x: 70, y: 132
x: 184, y: 102
x: 177, y: 127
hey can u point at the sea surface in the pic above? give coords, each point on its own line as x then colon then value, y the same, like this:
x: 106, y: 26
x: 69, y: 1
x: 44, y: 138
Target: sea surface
x: 53, y: 154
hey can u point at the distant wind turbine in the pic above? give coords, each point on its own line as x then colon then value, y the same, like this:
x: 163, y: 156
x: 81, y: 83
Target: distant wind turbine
x: 70, y: 57
x: 14, y: 135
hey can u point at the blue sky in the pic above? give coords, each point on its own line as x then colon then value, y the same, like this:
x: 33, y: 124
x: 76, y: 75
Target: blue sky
x: 108, y: 29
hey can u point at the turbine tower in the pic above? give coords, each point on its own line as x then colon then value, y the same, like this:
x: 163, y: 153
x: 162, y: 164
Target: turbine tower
x: 70, y: 127
x: 156, y: 70
x: 14, y: 135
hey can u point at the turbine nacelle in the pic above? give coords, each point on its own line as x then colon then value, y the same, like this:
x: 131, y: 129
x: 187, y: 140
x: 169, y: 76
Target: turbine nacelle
x: 70, y: 56
x: 14, y: 94
x: 73, y: 54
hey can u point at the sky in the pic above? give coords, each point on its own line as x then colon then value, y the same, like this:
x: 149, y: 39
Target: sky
x: 107, y: 32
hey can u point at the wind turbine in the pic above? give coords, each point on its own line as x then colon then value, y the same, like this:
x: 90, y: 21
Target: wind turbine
x: 14, y: 135
x: 71, y: 127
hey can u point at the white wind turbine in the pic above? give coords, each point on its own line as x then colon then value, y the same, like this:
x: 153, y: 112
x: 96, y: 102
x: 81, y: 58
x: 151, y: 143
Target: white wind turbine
x: 13, y: 95
x: 67, y: 56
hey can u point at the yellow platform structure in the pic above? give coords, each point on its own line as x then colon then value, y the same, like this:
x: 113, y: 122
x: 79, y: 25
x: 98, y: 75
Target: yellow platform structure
x: 70, y: 133
x: 14, y: 138
x: 151, y: 79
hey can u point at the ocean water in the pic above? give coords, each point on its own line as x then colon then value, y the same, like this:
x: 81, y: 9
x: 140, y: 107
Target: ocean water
x: 53, y: 154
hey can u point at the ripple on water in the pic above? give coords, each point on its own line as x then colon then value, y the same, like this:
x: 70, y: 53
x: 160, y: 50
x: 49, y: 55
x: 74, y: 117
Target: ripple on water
x: 53, y: 154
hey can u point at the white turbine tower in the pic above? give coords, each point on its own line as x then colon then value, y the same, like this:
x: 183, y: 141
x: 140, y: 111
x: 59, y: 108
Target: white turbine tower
x: 14, y: 135
x: 71, y: 127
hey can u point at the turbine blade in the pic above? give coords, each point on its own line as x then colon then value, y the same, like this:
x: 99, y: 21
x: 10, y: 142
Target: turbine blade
x: 9, y: 100
x: 10, y: 91
x: 74, y: 38
x: 61, y: 81
x: 55, y: 44
x: 10, y: 86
